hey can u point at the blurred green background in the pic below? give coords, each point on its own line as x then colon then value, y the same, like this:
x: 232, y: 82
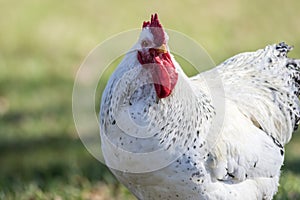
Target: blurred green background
x: 42, y: 44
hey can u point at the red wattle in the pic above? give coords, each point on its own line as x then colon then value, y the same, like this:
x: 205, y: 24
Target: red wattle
x: 162, y: 69
x: 164, y: 76
x: 162, y: 81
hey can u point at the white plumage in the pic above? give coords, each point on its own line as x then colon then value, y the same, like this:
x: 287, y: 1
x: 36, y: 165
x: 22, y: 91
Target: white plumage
x: 261, y: 110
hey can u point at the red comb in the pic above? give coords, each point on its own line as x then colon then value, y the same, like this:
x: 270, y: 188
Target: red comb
x: 153, y: 23
x: 157, y: 29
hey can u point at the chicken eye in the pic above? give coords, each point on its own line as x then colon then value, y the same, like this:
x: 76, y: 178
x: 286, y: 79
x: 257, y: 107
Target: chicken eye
x: 145, y: 43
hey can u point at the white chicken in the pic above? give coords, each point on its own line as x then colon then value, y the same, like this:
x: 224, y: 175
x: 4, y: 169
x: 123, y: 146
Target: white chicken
x: 149, y: 89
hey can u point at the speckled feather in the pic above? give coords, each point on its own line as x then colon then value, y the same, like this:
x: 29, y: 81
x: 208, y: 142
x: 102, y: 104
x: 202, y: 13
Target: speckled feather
x: 261, y: 112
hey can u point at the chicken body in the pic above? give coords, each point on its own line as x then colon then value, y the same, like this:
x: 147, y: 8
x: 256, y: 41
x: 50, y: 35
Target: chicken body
x: 243, y: 161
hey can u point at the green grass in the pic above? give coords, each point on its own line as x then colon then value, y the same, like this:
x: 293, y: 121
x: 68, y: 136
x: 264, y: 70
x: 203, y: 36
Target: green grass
x: 42, y: 44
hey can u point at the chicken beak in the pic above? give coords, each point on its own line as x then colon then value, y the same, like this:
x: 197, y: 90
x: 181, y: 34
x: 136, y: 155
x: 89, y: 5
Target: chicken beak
x: 162, y: 49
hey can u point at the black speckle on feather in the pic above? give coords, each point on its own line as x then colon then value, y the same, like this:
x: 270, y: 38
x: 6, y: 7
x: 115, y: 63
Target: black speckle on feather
x: 283, y: 49
x: 281, y: 152
x: 277, y: 142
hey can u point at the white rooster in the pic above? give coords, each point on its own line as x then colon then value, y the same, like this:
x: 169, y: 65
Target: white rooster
x: 149, y: 89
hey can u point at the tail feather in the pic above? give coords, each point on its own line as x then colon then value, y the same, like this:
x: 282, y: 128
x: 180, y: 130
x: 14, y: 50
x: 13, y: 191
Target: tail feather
x: 293, y: 65
x: 266, y: 86
x: 294, y: 68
